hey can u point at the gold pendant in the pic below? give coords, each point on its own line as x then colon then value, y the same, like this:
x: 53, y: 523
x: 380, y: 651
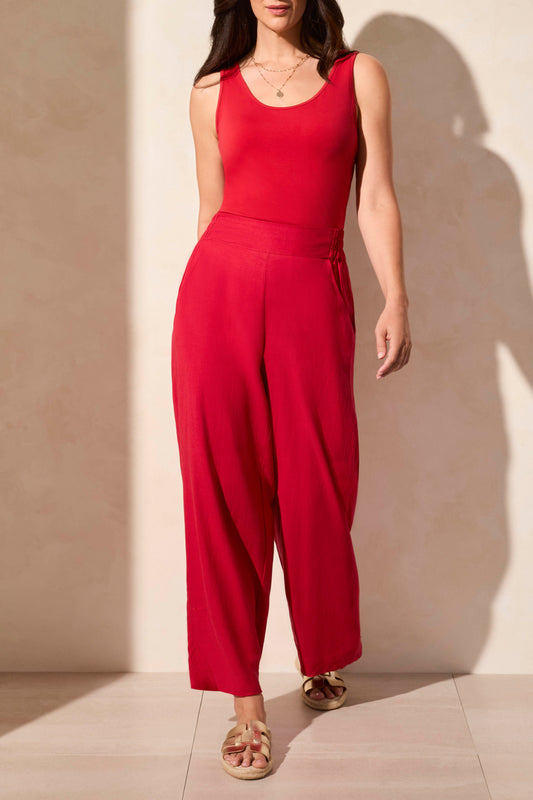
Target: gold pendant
x: 279, y: 93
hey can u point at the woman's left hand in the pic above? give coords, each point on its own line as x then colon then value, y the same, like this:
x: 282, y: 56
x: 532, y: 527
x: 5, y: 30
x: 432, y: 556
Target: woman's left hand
x: 393, y: 326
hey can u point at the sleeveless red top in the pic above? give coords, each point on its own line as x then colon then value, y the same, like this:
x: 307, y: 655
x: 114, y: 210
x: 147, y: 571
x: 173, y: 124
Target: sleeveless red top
x: 289, y: 163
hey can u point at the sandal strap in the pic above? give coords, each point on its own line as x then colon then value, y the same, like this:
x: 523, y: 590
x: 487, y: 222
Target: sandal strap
x: 253, y: 734
x: 331, y: 678
x: 254, y: 723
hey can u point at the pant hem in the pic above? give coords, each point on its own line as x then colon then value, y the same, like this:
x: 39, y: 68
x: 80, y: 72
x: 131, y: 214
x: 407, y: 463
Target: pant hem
x: 335, y: 663
x: 205, y: 686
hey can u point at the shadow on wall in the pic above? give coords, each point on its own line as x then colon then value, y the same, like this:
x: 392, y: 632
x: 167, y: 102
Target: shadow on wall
x: 431, y: 523
x: 431, y: 519
x: 65, y: 532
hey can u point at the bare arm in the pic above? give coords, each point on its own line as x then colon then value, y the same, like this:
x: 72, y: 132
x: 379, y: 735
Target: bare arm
x: 378, y: 213
x: 209, y: 169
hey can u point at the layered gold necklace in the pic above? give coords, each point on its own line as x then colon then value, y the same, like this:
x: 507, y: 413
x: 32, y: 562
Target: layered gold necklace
x: 279, y: 93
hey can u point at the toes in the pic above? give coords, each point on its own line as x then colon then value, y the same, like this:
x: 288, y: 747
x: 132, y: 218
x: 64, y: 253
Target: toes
x: 246, y: 758
x: 326, y: 692
x: 334, y: 691
x: 317, y: 692
x: 320, y: 694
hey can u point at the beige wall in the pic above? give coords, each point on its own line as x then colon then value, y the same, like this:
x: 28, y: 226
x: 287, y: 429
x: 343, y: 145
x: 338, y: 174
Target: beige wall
x: 99, y: 219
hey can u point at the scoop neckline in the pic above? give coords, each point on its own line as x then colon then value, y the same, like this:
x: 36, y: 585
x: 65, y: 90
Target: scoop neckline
x: 294, y: 105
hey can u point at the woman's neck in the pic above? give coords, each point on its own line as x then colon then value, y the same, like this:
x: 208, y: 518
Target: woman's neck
x: 276, y: 50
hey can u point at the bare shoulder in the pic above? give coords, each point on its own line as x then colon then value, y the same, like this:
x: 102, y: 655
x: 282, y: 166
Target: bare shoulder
x: 207, y: 81
x: 370, y: 80
x: 205, y: 89
x: 203, y: 100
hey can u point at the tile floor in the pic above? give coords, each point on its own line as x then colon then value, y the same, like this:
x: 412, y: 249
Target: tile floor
x: 148, y: 736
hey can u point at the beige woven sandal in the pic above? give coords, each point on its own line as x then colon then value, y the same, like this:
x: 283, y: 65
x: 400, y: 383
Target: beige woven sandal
x: 332, y: 678
x: 258, y: 737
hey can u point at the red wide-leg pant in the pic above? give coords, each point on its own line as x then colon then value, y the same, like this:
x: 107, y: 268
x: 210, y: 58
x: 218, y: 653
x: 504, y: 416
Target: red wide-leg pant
x: 263, y: 349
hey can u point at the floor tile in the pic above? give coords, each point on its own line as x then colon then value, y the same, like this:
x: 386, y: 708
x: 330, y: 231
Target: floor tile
x: 82, y: 714
x: 499, y: 712
x: 60, y: 777
x: 398, y: 736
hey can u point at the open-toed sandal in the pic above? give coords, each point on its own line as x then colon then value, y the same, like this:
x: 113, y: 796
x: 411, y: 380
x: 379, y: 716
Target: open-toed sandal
x: 331, y: 678
x: 254, y: 734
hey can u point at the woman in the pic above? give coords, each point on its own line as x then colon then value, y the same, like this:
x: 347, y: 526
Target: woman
x: 263, y: 347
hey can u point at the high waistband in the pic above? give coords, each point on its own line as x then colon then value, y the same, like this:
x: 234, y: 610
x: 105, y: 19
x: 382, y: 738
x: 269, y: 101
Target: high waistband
x: 285, y: 238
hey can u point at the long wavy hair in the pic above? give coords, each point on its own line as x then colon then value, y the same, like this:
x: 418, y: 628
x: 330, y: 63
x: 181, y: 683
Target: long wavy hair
x: 234, y: 33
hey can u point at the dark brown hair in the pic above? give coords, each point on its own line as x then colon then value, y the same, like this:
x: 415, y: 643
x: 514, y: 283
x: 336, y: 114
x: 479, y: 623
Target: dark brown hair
x: 234, y: 34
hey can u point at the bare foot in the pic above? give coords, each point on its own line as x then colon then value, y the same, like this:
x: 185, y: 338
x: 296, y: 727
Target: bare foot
x: 246, y: 709
x: 330, y: 691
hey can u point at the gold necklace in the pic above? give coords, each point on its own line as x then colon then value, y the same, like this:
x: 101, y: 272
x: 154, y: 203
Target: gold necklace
x: 283, y: 69
x: 279, y: 93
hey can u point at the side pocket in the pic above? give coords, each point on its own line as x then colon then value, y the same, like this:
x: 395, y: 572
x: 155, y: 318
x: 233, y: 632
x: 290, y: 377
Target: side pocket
x: 349, y: 292
x: 193, y: 258
x: 341, y: 278
x: 189, y: 267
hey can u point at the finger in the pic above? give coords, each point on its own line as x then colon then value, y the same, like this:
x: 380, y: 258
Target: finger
x: 391, y: 366
x: 406, y: 352
x: 401, y: 359
x: 390, y: 362
x: 381, y: 345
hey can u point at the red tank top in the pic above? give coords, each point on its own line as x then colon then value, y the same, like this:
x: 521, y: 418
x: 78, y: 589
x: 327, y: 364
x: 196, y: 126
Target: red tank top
x: 289, y: 163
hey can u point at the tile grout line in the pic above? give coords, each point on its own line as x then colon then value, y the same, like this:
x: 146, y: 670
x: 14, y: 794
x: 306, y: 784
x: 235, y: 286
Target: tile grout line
x: 471, y: 736
x: 192, y: 746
